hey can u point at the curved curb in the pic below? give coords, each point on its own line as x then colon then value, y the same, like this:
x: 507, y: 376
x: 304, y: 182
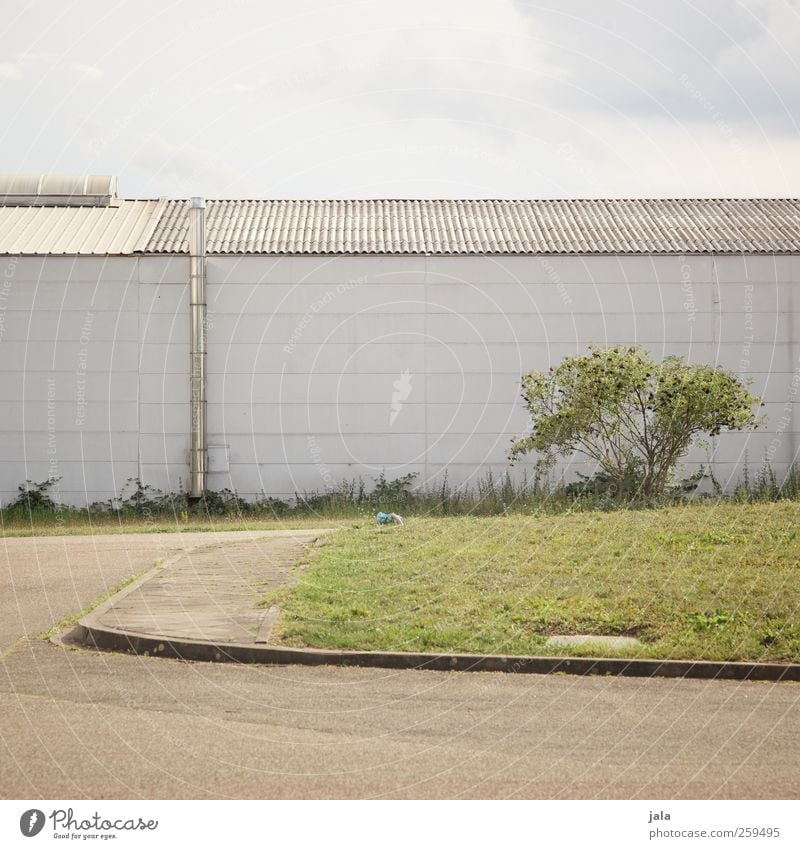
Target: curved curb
x: 90, y: 633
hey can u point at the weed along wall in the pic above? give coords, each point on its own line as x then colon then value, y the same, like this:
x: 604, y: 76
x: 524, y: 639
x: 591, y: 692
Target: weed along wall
x: 322, y: 369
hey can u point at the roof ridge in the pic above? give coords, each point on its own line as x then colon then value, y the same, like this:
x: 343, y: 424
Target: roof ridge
x: 469, y: 199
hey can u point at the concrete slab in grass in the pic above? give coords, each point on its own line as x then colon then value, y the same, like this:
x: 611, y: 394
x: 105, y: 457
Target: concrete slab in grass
x: 596, y: 639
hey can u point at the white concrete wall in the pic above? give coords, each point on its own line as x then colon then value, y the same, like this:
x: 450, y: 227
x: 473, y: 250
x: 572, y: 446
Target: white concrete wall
x: 69, y: 375
x: 304, y: 355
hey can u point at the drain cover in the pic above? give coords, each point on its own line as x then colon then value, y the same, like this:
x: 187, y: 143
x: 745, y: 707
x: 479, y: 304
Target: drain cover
x: 598, y: 639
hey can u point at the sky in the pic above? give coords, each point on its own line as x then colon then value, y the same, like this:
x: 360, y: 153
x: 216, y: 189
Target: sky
x: 407, y: 98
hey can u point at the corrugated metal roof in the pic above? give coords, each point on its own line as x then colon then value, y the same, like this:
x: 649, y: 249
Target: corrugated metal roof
x: 432, y: 227
x: 89, y: 230
x: 644, y: 226
x: 57, y: 190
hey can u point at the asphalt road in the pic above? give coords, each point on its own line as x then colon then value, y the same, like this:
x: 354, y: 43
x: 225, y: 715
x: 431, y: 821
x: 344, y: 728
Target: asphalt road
x: 82, y: 724
x: 43, y: 580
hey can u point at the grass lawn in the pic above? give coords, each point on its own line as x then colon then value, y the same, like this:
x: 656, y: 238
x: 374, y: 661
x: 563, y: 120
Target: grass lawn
x: 78, y: 525
x: 717, y: 582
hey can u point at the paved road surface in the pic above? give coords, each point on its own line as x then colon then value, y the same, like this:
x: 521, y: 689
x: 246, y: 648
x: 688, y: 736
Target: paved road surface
x: 45, y: 579
x: 82, y: 724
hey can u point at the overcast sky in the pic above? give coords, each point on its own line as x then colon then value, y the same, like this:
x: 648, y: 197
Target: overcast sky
x: 402, y: 98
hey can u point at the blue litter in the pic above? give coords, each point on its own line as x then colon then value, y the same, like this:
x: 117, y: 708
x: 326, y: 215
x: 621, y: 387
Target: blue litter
x: 388, y: 518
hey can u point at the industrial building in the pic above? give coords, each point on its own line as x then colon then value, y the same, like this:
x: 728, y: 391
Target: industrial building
x: 281, y: 346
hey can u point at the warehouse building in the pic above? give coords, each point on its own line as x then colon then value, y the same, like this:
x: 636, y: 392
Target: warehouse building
x: 282, y: 346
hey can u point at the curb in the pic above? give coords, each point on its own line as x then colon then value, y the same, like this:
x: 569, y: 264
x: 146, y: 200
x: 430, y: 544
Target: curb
x: 89, y: 633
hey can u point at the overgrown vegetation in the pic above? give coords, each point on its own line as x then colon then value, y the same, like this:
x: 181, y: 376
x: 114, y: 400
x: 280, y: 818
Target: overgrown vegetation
x: 142, y: 507
x: 633, y: 417
x: 710, y: 581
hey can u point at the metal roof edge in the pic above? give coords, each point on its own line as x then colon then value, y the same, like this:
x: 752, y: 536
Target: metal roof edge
x: 492, y: 199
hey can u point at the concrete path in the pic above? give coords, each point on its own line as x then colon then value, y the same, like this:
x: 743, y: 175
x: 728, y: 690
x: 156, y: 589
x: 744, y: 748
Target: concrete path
x: 212, y: 592
x: 45, y: 579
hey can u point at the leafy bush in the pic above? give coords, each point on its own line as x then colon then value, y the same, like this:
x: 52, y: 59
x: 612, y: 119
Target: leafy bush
x: 632, y: 416
x: 394, y: 492
x: 35, y: 496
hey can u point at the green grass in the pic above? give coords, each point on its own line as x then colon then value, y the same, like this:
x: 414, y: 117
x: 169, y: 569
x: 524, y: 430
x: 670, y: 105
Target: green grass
x: 78, y: 524
x: 718, y: 582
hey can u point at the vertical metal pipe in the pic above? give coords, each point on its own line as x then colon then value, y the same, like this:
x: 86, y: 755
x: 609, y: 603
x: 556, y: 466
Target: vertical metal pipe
x: 197, y: 372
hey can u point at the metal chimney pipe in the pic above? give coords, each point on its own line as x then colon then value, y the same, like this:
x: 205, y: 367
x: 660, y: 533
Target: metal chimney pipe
x: 197, y: 372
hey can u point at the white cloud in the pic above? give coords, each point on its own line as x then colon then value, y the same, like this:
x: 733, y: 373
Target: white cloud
x: 9, y: 71
x: 60, y: 62
x: 482, y: 97
x: 173, y: 167
x: 91, y: 72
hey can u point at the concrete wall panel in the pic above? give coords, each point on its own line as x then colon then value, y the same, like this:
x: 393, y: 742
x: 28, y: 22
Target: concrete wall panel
x: 164, y: 271
x: 323, y: 369
x: 97, y: 386
x: 164, y: 358
x: 315, y: 298
x: 58, y: 269
x: 70, y: 325
x: 164, y: 418
x: 69, y: 446
x: 163, y: 388
x: 163, y: 300
x: 84, y: 295
x: 43, y: 355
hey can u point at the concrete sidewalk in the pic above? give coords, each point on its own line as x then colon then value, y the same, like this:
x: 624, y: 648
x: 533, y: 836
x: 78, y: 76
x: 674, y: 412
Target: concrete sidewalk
x: 202, y: 605
x: 211, y: 593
